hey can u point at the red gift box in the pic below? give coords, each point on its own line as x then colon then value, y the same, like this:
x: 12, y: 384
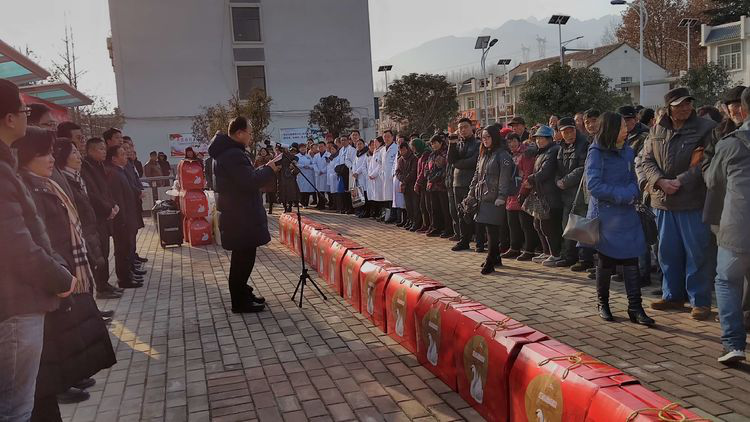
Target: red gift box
x: 190, y: 175
x: 198, y: 231
x: 193, y: 203
x: 332, y: 263
x: 373, y: 280
x: 350, y: 266
x: 635, y: 403
x: 401, y: 297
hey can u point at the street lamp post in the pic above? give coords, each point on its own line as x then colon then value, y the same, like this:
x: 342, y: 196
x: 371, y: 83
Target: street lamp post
x: 642, y: 22
x: 504, y: 63
x: 559, y: 20
x: 688, y: 23
x: 483, y: 43
x: 565, y: 48
x: 385, y: 69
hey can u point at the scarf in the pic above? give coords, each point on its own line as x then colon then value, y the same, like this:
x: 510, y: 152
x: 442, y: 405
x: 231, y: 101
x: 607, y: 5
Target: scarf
x: 363, y: 151
x: 76, y: 176
x: 80, y: 260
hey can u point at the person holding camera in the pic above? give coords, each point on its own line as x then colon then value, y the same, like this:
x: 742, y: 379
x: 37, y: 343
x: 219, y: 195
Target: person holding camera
x: 242, y: 220
x: 463, y: 155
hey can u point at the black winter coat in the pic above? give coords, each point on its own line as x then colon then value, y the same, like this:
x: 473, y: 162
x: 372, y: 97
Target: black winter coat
x: 463, y: 157
x: 242, y: 220
x: 95, y: 177
x: 31, y: 274
x: 543, y: 178
x: 570, y: 162
x: 131, y: 171
x: 88, y: 224
x: 126, y: 221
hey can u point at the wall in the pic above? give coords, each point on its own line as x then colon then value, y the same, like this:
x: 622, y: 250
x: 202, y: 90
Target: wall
x: 624, y: 62
x: 173, y: 56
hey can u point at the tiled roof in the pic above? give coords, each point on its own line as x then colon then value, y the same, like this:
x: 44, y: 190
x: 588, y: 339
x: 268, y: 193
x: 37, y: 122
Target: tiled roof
x: 723, y: 33
x: 588, y: 57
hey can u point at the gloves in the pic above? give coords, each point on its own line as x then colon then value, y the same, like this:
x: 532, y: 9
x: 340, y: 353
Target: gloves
x: 499, y: 202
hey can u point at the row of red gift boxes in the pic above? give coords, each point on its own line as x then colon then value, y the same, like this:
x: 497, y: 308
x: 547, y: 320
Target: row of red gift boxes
x: 506, y: 370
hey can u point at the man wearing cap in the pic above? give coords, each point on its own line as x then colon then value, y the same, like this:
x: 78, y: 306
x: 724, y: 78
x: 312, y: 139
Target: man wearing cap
x: 637, y: 131
x: 670, y: 169
x: 728, y: 182
x: 570, y: 161
x: 518, y: 124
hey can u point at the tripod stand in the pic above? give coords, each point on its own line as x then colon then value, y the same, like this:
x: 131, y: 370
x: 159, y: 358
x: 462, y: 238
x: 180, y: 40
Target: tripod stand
x: 304, y: 276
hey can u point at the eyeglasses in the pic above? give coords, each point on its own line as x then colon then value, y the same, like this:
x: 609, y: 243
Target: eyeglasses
x: 26, y: 111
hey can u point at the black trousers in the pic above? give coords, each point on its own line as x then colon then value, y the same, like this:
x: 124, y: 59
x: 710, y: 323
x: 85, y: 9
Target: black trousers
x: 552, y: 230
x: 522, y: 234
x: 101, y: 276
x: 468, y: 229
x: 321, y: 200
x: 424, y: 209
x: 440, y: 213
x: 46, y: 409
x: 412, y: 206
x: 240, y: 268
x: 122, y: 239
x: 454, y: 211
x: 493, y: 241
x: 304, y: 198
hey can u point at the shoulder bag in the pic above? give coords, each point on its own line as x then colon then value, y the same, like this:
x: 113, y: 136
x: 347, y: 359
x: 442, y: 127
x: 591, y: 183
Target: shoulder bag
x: 579, y: 227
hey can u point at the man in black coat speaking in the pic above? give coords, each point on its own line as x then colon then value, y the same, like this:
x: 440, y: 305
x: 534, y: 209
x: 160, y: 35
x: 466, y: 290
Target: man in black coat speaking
x: 242, y: 219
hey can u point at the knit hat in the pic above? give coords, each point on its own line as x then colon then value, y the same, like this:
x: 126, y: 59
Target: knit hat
x: 419, y: 145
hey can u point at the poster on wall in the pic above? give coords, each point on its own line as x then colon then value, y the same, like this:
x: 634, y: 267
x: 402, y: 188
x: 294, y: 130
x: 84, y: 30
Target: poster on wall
x: 288, y: 136
x: 178, y: 142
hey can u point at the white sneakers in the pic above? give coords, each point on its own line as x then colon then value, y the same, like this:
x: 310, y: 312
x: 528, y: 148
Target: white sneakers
x: 551, y: 261
x: 733, y: 356
x: 539, y: 258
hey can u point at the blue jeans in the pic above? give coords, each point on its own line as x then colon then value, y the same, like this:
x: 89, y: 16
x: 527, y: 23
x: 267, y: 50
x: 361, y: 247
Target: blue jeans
x: 684, y: 257
x: 21, y: 337
x: 730, y: 279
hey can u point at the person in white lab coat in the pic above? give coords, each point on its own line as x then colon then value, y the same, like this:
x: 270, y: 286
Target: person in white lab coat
x: 375, y: 177
x: 307, y: 169
x: 399, y: 203
x: 389, y: 157
x: 348, y: 152
x: 334, y: 159
x: 320, y: 164
x: 359, y: 174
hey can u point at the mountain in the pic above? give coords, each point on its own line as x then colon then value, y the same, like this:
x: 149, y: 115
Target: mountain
x: 455, y: 56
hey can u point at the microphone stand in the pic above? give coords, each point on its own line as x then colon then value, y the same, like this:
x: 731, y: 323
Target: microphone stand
x: 304, y: 276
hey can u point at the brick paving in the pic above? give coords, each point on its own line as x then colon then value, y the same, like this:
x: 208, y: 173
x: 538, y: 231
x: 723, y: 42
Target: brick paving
x: 182, y: 356
x: 677, y: 358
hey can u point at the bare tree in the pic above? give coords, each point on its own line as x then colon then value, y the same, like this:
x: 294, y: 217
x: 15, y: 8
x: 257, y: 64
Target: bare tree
x: 610, y: 32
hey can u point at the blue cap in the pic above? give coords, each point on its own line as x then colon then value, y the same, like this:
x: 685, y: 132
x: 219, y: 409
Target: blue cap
x: 544, y: 131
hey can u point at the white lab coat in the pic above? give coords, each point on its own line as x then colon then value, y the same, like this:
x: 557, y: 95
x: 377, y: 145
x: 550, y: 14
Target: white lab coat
x: 305, y: 164
x: 321, y: 171
x: 360, y: 167
x: 350, y: 153
x: 388, y: 159
x: 375, y: 176
x: 333, y: 178
x: 398, y: 197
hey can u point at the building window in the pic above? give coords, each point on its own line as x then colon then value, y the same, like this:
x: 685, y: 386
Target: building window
x: 489, y: 97
x: 246, y: 24
x: 730, y: 56
x: 470, y: 103
x: 249, y: 78
x: 626, y: 79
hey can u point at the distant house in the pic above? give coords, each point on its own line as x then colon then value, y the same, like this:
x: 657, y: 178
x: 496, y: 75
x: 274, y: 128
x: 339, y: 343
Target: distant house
x: 727, y: 45
x: 618, y: 62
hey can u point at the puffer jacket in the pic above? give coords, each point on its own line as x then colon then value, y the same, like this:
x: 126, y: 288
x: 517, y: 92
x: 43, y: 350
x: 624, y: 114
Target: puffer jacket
x: 463, y: 157
x: 667, y: 154
x: 435, y: 172
x: 420, y: 185
x: 728, y: 185
x: 493, y: 180
x: 31, y: 274
x: 637, y: 137
x: 570, y: 161
x: 524, y: 158
x: 406, y: 171
x: 543, y: 177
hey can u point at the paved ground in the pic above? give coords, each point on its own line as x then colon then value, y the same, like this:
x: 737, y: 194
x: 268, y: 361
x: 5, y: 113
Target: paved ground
x: 676, y: 358
x: 182, y: 356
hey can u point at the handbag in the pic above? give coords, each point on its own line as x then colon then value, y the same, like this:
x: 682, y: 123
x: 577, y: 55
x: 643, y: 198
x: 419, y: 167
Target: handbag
x: 648, y: 221
x: 579, y: 227
x: 468, y: 208
x: 536, y: 206
x: 358, y: 195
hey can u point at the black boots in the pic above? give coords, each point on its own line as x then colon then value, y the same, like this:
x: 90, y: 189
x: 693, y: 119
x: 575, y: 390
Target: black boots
x: 602, y: 292
x: 632, y: 278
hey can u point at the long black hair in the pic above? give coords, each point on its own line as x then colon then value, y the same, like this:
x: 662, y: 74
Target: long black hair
x: 498, y: 140
x: 609, y: 129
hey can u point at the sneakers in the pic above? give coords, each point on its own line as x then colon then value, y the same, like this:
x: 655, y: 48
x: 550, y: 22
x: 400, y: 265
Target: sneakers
x: 700, y: 313
x: 539, y: 258
x: 581, y: 267
x: 552, y: 261
x: 526, y: 256
x: 447, y: 235
x: 511, y: 254
x: 665, y: 305
x: 732, y: 356
x: 460, y: 247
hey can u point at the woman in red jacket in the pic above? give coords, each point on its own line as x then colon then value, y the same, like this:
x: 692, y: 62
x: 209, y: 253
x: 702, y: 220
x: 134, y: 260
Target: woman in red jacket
x: 437, y: 164
x: 422, y: 151
x: 523, y: 238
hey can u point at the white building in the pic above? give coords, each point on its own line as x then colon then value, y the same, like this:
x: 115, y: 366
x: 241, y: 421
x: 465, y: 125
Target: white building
x: 171, y: 57
x: 618, y: 62
x: 727, y: 45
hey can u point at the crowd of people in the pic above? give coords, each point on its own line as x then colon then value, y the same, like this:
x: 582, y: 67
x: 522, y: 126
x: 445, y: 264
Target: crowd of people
x: 62, y: 199
x: 511, y: 191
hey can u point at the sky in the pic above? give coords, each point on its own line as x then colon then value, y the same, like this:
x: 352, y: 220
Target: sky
x: 395, y: 26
